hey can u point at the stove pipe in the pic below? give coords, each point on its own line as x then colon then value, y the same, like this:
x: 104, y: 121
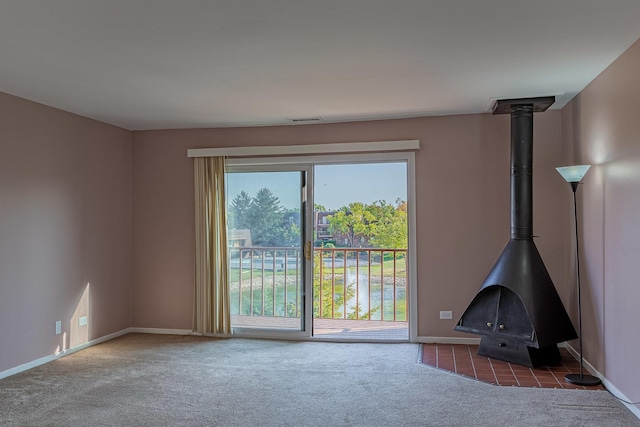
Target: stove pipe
x: 518, y: 311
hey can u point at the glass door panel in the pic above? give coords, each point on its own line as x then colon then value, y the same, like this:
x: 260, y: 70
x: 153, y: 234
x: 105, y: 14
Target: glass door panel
x: 361, y: 248
x: 266, y: 235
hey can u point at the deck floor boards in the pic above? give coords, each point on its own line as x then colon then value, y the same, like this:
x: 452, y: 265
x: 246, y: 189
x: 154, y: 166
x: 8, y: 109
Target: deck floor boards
x: 331, y: 328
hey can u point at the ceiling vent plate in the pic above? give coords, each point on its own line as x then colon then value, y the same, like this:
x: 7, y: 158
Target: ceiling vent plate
x: 306, y: 119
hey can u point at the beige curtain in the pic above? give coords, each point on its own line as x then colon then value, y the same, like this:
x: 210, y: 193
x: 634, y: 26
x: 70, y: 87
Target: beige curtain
x: 211, y: 298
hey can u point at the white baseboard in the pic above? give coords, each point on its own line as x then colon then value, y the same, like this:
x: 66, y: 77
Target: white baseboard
x: 52, y: 357
x: 160, y: 331
x: 449, y: 340
x: 612, y: 389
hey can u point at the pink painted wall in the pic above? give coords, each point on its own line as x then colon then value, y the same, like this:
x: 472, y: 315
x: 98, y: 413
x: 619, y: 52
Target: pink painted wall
x: 604, y: 130
x: 65, y: 221
x: 462, y: 206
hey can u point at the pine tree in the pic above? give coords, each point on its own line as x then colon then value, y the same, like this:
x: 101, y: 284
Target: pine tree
x: 239, y: 212
x: 265, y: 218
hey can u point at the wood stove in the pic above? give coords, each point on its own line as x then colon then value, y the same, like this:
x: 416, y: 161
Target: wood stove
x: 518, y: 311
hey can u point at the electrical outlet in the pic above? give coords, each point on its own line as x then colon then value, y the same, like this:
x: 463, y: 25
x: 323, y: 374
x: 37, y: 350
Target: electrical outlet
x: 58, y: 327
x: 445, y: 315
x: 82, y: 321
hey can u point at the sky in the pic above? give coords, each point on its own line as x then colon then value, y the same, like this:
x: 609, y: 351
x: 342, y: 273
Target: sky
x: 335, y: 185
x: 339, y: 185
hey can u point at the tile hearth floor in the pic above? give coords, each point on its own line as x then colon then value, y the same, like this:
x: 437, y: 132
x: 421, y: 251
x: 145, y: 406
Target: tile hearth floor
x: 463, y: 360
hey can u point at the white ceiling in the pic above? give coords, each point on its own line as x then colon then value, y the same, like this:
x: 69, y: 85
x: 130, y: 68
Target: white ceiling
x: 153, y: 64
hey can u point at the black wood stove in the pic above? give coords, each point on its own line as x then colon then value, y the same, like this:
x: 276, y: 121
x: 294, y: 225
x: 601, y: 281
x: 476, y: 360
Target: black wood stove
x: 518, y: 311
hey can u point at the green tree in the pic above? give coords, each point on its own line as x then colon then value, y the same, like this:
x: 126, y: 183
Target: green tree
x: 390, y: 228
x: 265, y: 218
x: 289, y: 231
x: 239, y: 211
x: 352, y: 220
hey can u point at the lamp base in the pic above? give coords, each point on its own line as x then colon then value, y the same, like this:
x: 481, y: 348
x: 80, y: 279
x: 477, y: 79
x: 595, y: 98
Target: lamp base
x: 585, y: 380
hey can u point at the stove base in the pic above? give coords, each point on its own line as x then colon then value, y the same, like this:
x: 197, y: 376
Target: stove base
x: 518, y: 352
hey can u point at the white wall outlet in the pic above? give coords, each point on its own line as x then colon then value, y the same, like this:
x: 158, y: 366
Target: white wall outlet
x: 82, y: 321
x: 58, y: 327
x: 444, y: 315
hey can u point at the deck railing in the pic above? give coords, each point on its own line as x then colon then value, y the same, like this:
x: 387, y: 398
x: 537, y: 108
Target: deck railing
x: 348, y: 283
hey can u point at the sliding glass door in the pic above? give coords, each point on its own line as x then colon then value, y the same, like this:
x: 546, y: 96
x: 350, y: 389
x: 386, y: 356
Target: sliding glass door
x: 268, y: 236
x: 322, y: 246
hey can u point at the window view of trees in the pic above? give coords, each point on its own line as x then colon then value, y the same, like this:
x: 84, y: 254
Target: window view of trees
x: 379, y: 225
x: 376, y: 225
x: 268, y: 222
x: 359, y: 265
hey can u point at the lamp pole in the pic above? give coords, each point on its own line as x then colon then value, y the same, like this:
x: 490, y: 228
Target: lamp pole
x: 573, y: 175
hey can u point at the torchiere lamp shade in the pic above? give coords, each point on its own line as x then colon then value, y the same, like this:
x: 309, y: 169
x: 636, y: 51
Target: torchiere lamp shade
x: 573, y: 173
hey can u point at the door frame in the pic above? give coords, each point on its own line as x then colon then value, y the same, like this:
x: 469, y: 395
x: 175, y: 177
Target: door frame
x: 309, y: 161
x: 307, y: 234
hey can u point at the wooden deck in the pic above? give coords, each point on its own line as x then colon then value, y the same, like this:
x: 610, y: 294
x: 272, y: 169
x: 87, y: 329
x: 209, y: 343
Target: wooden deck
x: 331, y: 328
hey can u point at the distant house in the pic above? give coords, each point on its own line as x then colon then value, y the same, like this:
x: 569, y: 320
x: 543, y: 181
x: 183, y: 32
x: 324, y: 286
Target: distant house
x: 240, y: 238
x: 324, y: 234
x: 321, y: 219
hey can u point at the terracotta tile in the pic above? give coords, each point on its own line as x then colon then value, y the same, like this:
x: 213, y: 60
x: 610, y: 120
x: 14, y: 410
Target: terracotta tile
x: 484, y: 372
x: 443, y: 357
x: 522, y: 379
x: 487, y: 380
x: 468, y: 374
x: 465, y: 359
x: 463, y: 366
x: 547, y: 380
x: 543, y: 375
x: 429, y: 361
x: 499, y: 364
x: 560, y: 369
x: 482, y: 366
x: 504, y: 375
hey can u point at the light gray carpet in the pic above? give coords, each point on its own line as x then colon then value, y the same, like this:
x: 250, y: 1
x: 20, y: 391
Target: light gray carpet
x: 154, y: 380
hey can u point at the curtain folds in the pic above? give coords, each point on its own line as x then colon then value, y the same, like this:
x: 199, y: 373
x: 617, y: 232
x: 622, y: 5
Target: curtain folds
x: 211, y: 296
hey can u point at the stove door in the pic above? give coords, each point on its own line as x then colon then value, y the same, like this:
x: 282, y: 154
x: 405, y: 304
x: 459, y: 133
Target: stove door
x: 513, y: 319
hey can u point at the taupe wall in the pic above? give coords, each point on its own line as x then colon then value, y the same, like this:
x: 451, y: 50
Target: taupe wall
x: 65, y: 221
x: 603, y: 129
x: 462, y: 206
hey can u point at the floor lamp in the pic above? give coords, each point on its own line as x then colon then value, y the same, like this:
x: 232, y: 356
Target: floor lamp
x: 573, y: 175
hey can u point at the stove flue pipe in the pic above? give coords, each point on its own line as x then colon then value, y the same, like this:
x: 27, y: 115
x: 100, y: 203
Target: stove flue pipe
x: 522, y: 172
x: 521, y: 111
